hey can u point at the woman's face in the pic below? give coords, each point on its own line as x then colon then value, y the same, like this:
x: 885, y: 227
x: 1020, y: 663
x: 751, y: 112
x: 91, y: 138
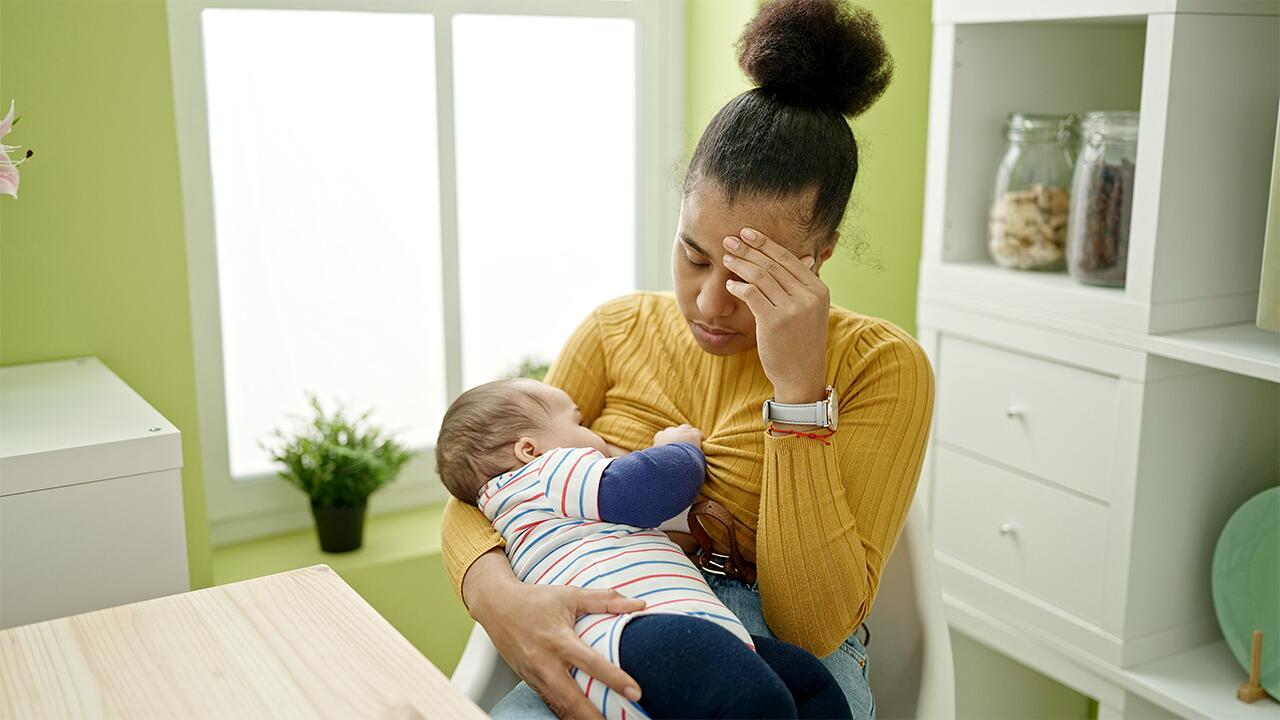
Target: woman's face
x: 721, y: 323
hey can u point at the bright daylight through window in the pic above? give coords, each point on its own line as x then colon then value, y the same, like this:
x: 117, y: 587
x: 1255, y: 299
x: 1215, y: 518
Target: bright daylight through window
x: 326, y: 187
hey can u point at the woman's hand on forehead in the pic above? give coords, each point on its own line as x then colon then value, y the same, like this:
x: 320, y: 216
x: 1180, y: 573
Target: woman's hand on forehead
x: 790, y: 304
x: 757, y: 248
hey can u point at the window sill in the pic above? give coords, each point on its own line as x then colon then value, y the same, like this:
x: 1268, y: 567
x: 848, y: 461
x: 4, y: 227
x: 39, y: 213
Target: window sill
x: 388, y: 538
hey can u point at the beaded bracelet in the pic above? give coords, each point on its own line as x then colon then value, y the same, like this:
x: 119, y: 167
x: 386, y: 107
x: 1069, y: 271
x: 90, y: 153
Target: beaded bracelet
x: 812, y: 436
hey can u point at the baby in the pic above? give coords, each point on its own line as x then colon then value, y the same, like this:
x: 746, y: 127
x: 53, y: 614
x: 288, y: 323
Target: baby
x: 571, y: 515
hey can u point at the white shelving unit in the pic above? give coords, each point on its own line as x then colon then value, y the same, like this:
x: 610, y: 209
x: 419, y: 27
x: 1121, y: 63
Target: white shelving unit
x: 1191, y: 684
x: 1188, y: 684
x: 1090, y: 443
x: 1240, y: 348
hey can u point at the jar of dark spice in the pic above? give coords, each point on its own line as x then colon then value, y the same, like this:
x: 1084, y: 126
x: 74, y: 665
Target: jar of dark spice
x: 1102, y: 199
x: 1027, y: 226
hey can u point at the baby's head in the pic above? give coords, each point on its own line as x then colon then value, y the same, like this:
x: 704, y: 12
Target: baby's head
x: 500, y: 426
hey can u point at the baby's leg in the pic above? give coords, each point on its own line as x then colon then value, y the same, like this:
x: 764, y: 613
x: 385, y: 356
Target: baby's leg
x: 689, y: 667
x: 814, y: 690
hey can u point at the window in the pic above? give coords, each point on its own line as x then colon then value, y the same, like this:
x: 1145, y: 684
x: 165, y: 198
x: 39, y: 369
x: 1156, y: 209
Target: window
x: 546, y: 180
x: 386, y: 207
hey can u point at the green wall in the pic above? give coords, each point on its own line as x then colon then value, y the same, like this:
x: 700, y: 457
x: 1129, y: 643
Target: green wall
x: 876, y: 271
x: 92, y: 257
x: 712, y: 77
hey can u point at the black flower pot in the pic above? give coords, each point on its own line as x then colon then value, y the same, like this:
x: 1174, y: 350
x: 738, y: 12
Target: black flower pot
x: 341, y: 529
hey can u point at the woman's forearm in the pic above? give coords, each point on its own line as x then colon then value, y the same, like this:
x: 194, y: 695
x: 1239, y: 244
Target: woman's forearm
x: 488, y: 578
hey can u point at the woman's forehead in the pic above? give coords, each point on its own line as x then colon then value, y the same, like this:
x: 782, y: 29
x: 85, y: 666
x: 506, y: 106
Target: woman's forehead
x: 708, y: 216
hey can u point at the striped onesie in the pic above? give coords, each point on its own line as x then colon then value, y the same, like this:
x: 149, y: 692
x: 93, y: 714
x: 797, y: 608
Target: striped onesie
x: 575, y: 517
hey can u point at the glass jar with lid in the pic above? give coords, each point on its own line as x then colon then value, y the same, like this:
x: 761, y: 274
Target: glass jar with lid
x: 1098, y: 226
x: 1028, y: 221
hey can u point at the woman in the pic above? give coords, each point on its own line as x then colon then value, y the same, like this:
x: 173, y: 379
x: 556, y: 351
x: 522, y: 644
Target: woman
x: 815, y: 511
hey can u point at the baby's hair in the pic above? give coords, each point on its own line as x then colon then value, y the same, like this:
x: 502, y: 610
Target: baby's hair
x: 479, y: 429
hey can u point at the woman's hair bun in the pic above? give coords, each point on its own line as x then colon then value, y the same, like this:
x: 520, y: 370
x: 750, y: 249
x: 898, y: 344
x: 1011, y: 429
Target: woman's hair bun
x: 817, y: 52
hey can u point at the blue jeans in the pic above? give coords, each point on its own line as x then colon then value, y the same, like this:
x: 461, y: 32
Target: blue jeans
x: 848, y: 664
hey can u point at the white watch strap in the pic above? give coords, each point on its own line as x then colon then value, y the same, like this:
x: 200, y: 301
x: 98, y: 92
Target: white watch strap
x: 797, y: 413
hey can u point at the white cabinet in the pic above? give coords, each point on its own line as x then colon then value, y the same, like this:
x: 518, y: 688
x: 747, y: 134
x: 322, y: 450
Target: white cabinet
x: 1090, y: 443
x: 90, y: 493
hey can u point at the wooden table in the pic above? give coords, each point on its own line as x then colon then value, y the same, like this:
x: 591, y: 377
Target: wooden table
x: 299, y: 644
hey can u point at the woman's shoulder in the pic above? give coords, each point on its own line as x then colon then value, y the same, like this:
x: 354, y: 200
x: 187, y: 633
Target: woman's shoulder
x: 858, y: 341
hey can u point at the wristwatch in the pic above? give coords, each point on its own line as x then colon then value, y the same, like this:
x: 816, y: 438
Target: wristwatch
x: 822, y: 413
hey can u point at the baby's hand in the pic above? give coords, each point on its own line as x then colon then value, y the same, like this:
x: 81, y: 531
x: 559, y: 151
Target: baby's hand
x: 683, y: 433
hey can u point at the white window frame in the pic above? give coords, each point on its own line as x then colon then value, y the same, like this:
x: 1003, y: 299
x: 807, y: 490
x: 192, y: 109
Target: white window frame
x: 240, y: 510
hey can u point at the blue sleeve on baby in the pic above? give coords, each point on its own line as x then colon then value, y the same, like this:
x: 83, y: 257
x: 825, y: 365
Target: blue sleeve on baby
x: 649, y: 486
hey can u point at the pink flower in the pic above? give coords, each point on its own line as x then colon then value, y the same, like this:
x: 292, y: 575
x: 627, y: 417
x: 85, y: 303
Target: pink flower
x: 8, y: 168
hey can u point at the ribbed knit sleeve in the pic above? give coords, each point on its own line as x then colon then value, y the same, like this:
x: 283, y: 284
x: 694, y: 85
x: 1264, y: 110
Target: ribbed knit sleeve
x: 830, y: 515
x: 465, y: 535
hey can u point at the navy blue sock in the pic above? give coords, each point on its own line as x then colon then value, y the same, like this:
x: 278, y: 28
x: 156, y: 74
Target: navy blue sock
x: 688, y: 667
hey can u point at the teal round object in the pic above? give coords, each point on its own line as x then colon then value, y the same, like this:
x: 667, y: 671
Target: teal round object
x: 1246, y: 584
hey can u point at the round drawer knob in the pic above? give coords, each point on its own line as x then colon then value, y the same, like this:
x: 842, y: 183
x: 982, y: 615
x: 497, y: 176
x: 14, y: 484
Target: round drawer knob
x: 1013, y: 411
x: 1008, y: 529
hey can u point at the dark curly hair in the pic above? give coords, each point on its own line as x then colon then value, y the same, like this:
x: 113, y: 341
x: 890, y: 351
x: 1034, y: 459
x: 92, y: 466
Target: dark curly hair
x: 814, y: 62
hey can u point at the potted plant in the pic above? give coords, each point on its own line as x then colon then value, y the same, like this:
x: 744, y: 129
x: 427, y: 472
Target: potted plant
x: 531, y: 367
x: 338, y: 463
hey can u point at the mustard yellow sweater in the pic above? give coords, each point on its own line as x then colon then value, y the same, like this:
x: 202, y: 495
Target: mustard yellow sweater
x: 824, y: 518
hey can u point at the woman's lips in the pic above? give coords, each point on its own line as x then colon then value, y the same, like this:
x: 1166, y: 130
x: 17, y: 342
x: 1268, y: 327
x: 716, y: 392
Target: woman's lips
x: 712, y: 336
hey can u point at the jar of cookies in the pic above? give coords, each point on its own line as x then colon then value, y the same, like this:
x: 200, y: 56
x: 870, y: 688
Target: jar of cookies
x: 1028, y: 220
x: 1098, y: 227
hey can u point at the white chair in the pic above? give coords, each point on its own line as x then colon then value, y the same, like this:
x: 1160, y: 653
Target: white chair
x: 911, y: 670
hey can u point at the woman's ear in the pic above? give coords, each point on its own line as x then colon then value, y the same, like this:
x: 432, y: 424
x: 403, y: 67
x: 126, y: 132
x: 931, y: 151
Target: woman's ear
x: 828, y: 247
x: 525, y: 449
x: 825, y: 250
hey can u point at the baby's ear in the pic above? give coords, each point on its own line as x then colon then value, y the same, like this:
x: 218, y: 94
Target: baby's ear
x: 525, y: 449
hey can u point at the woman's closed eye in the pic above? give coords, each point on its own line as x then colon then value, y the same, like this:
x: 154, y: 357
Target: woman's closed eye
x: 704, y: 265
x: 698, y: 265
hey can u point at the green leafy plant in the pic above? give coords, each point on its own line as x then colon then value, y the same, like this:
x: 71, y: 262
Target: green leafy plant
x: 337, y: 461
x: 532, y: 368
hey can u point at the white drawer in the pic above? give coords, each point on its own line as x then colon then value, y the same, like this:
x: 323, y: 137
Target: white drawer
x: 1054, y: 421
x: 1044, y: 541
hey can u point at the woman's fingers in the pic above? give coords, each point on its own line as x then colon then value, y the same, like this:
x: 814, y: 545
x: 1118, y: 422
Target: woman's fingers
x: 595, y: 665
x: 560, y: 691
x: 758, y: 248
x: 764, y: 274
x: 573, y: 649
x: 775, y: 282
x: 751, y: 295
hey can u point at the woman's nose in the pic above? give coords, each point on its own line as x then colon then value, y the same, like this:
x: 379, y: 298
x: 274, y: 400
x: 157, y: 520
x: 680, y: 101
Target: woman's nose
x: 714, y: 300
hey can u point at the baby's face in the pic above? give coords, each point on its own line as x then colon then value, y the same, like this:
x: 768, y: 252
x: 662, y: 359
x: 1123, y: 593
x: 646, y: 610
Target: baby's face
x: 564, y: 427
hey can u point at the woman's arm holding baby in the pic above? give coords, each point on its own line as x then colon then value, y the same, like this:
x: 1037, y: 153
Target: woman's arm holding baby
x: 530, y: 625
x: 536, y: 635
